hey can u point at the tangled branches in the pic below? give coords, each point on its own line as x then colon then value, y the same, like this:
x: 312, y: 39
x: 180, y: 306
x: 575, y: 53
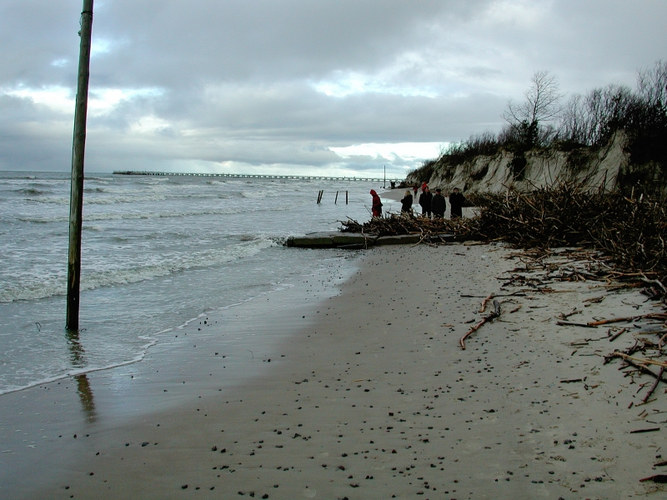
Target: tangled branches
x: 631, y: 232
x: 394, y: 224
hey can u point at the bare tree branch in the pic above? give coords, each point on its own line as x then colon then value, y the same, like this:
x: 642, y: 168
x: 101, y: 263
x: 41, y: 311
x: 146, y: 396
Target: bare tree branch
x: 542, y: 104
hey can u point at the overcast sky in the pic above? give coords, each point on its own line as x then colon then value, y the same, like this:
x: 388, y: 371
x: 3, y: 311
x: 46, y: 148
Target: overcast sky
x: 337, y: 87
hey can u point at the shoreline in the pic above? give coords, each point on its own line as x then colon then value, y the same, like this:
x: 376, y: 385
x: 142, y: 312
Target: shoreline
x: 42, y: 425
x: 369, y: 395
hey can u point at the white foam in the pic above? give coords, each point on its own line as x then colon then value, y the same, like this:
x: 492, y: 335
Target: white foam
x: 40, y: 285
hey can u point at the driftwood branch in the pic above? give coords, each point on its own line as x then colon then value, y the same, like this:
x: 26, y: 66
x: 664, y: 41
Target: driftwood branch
x: 617, y: 334
x: 658, y: 316
x: 658, y: 478
x: 639, y: 363
x: 485, y: 302
x: 642, y: 361
x: 572, y: 323
x: 489, y: 317
x: 655, y: 384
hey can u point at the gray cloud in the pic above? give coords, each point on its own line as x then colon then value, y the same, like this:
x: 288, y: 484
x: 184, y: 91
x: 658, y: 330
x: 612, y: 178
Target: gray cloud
x: 269, y: 85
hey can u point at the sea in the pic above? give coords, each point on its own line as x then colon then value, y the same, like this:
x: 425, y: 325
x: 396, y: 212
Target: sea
x: 157, y: 253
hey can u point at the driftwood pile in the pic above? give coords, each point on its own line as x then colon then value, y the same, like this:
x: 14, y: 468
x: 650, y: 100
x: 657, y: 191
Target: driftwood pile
x: 393, y: 224
x: 631, y: 232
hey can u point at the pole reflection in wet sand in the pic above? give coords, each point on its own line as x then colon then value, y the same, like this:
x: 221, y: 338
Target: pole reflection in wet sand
x: 77, y: 356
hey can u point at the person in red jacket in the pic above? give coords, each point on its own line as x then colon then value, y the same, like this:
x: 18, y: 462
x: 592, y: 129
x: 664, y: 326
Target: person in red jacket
x: 377, y: 204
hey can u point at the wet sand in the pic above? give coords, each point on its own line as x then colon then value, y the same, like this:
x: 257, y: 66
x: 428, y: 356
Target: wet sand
x: 369, y: 395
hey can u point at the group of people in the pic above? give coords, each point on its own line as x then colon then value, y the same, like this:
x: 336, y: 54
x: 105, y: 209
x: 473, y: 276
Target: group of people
x: 434, y: 204
x: 431, y: 204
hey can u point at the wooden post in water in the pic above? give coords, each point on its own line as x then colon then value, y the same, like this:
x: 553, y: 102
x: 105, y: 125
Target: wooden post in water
x: 78, y: 149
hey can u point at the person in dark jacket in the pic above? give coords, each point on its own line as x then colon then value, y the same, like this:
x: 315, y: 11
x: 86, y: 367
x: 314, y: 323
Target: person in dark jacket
x: 425, y: 201
x: 377, y: 204
x: 438, y: 204
x: 456, y: 201
x: 406, y: 203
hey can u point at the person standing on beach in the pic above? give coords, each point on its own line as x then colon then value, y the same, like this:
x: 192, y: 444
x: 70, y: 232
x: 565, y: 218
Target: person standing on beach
x: 438, y: 204
x: 377, y: 204
x: 406, y: 203
x: 425, y: 201
x: 456, y: 201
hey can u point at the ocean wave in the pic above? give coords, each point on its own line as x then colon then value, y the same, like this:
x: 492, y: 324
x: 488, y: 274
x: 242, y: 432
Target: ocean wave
x: 41, y: 287
x: 126, y: 199
x: 32, y: 191
x: 111, y: 216
x: 260, y: 194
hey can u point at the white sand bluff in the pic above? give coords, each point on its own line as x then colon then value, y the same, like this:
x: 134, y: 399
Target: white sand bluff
x: 608, y: 167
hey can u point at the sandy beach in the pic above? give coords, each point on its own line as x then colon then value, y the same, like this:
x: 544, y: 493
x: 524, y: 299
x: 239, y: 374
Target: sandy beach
x: 367, y: 394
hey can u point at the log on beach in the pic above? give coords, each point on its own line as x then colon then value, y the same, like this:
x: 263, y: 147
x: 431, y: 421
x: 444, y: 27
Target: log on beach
x: 359, y: 240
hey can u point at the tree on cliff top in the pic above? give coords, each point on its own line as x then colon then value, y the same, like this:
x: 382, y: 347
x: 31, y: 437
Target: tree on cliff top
x: 542, y: 104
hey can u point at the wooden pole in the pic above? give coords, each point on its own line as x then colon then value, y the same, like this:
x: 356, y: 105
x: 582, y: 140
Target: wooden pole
x: 78, y: 150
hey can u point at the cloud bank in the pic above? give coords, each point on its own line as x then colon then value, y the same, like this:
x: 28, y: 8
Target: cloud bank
x: 333, y: 87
